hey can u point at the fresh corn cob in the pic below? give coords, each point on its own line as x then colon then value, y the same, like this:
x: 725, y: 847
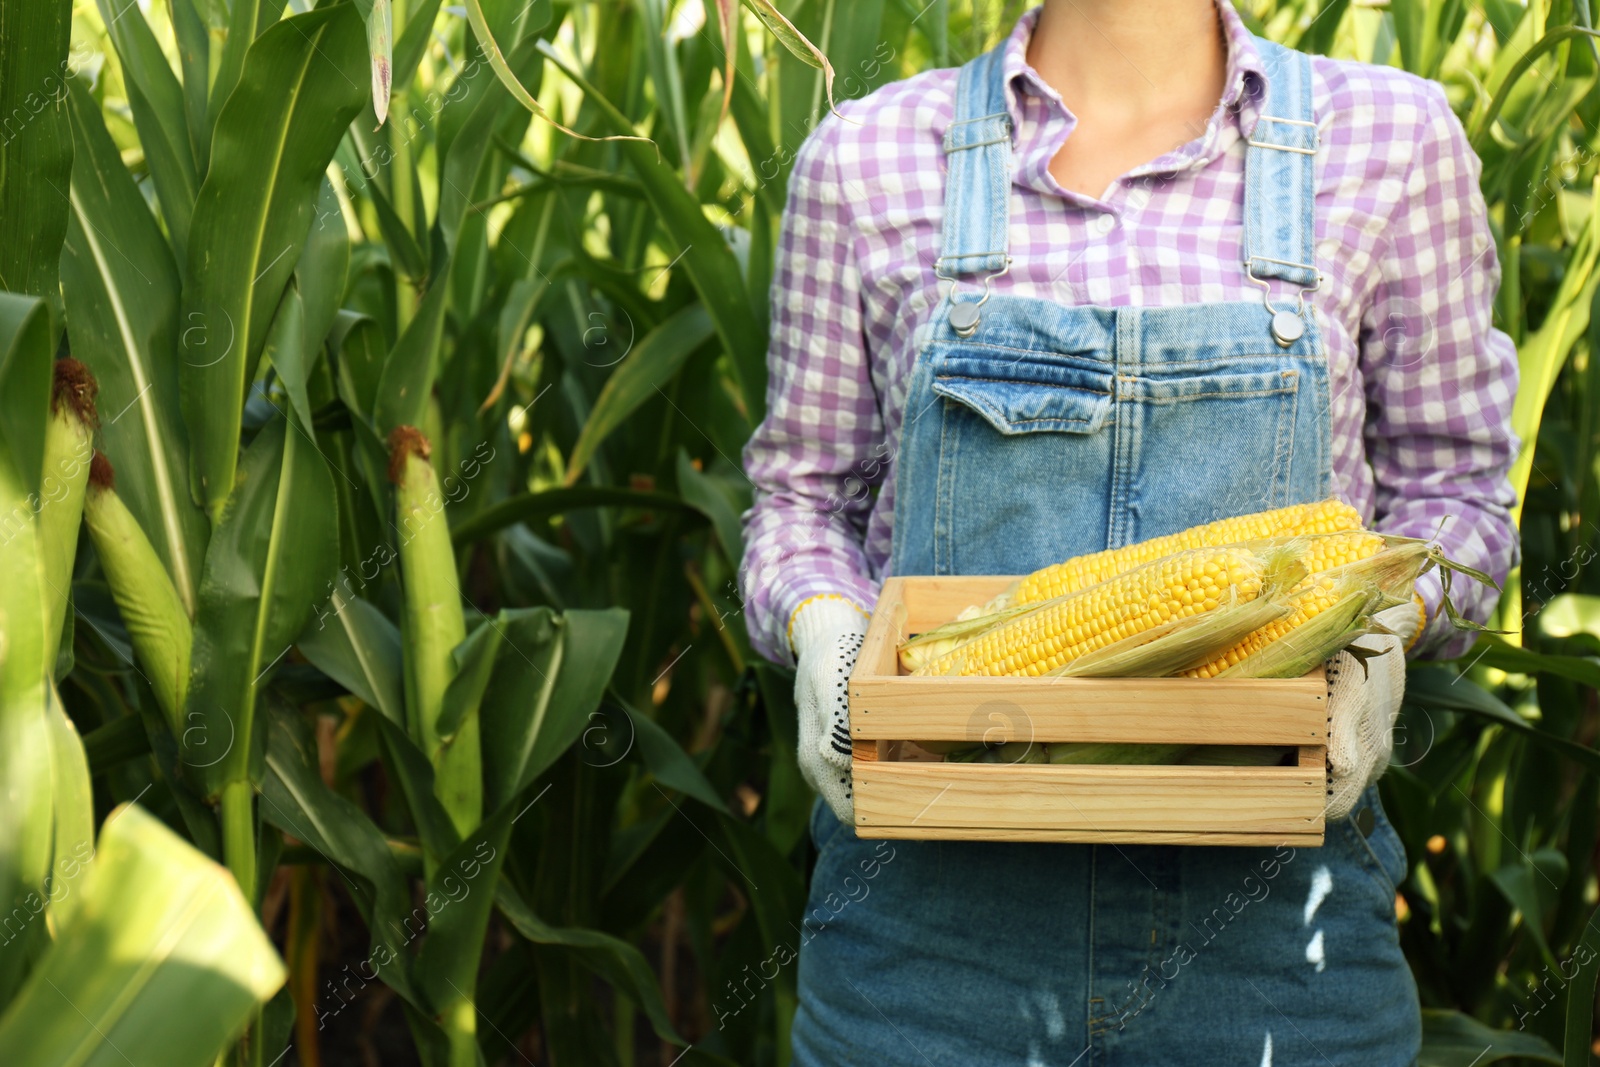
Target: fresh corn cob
x: 1324, y: 516
x: 1316, y: 592
x: 1060, y: 630
x: 68, y: 446
x: 157, y: 624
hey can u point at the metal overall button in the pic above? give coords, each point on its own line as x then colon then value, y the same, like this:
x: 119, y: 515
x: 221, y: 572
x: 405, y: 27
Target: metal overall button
x: 964, y: 314
x: 1286, y: 327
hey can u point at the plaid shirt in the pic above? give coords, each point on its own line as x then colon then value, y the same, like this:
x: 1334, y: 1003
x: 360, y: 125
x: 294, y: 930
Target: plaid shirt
x: 1421, y: 381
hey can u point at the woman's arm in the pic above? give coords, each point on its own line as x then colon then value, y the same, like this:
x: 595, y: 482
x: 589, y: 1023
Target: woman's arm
x: 822, y: 442
x: 1440, y: 378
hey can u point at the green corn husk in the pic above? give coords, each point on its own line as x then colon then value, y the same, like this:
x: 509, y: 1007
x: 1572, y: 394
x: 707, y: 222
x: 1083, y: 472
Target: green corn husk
x: 68, y: 448
x: 1107, y: 752
x: 1235, y: 756
x: 1372, y: 584
x: 1006, y: 752
x: 434, y: 626
x: 159, y: 628
x: 1310, y: 644
x: 1178, y: 645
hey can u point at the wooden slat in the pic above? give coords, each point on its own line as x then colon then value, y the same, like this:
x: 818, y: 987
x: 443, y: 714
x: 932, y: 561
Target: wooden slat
x: 1101, y: 799
x: 921, y: 832
x: 1218, y: 711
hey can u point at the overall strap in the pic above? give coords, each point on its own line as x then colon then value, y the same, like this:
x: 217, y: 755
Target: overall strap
x: 1280, y: 174
x: 977, y: 192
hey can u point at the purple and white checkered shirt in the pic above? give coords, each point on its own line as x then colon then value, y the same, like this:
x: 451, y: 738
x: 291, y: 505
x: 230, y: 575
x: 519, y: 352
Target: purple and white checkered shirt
x: 1421, y: 381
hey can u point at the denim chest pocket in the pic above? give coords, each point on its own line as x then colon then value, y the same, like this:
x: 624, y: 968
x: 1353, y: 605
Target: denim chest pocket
x: 1020, y: 395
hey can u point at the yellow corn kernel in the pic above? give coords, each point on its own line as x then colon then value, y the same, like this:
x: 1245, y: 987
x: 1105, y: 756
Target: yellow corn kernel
x: 1324, y: 516
x: 1044, y: 639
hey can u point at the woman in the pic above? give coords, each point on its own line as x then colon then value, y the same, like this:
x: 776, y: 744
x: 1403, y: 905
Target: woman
x: 1133, y: 270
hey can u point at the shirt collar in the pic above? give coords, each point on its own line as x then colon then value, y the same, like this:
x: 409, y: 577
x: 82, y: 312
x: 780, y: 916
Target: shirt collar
x: 1242, y: 91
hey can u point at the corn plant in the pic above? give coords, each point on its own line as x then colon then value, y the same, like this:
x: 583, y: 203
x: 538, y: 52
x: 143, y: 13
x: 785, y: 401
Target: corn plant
x: 422, y: 343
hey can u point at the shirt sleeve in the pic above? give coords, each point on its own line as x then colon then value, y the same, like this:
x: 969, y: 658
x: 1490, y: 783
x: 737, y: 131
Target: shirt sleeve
x: 1440, y: 379
x: 821, y: 446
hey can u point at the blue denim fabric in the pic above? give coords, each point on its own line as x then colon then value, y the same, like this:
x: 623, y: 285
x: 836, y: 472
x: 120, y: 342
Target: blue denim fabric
x: 1045, y: 432
x: 965, y: 953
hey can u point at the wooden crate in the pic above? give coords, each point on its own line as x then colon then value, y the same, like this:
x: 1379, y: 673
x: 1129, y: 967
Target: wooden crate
x: 901, y: 791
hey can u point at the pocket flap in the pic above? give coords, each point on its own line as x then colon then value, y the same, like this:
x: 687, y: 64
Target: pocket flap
x: 1017, y: 406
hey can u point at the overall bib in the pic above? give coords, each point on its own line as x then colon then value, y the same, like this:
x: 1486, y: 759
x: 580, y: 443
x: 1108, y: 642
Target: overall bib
x: 1035, y: 432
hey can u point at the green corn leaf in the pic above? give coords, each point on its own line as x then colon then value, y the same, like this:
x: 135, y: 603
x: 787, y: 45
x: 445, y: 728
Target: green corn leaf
x: 408, y: 372
x: 407, y: 255
x: 540, y: 697
x: 359, y: 342
x: 447, y: 966
x: 792, y: 39
x: 658, y: 356
x: 353, y: 643
x: 380, y: 51
x: 25, y: 377
x: 1494, y: 651
x: 156, y: 99
x: 1525, y: 882
x: 286, y: 351
x: 705, y: 254
x: 711, y: 499
x: 1452, y: 1039
x: 302, y: 84
x: 470, y: 148
x: 323, y: 266
x: 666, y: 760
x: 1571, y: 615
x: 121, y: 288
x: 557, y: 501
x: 414, y: 40
x: 295, y: 799
x: 270, y: 561
x: 1542, y: 355
x: 162, y: 935
x: 35, y: 152
x: 1581, y: 995
x: 194, y: 65
x: 1443, y: 688
x: 611, y: 958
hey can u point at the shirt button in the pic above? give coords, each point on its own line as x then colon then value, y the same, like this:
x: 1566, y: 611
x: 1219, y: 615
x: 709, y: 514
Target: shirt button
x: 1103, y: 224
x: 1365, y: 821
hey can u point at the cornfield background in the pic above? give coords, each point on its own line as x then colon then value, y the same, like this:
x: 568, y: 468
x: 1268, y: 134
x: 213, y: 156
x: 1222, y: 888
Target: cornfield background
x: 572, y: 830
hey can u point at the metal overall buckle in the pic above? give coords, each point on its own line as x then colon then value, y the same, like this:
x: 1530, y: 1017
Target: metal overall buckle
x: 1287, y: 326
x: 964, y: 315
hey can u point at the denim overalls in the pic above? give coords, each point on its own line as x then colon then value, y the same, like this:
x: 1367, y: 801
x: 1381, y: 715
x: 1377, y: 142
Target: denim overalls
x: 1034, y: 432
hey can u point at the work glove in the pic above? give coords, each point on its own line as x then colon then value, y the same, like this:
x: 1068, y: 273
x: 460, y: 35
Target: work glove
x: 1363, y: 704
x: 826, y: 635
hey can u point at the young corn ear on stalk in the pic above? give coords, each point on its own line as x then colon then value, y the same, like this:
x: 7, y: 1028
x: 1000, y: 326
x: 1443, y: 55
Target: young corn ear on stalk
x: 434, y: 626
x: 68, y: 447
x: 158, y: 626
x: 1126, y: 606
